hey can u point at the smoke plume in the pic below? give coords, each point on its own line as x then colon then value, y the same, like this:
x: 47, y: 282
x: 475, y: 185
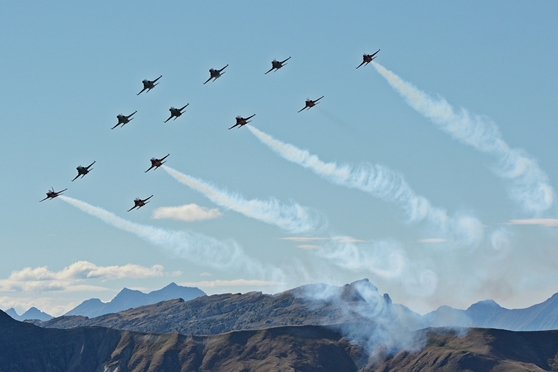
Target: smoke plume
x: 529, y: 187
x: 383, y: 183
x: 292, y: 218
x: 197, y: 248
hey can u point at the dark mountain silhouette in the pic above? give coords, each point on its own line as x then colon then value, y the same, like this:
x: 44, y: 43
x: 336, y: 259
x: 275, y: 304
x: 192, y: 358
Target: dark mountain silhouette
x: 129, y: 298
x: 488, y: 314
x: 25, y: 347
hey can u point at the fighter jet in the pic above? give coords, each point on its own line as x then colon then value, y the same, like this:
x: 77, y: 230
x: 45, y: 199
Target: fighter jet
x: 82, y: 171
x: 276, y: 65
x: 51, y: 194
x: 367, y: 58
x: 123, y: 119
x: 174, y: 112
x: 240, y: 121
x: 138, y: 203
x: 215, y: 74
x: 156, y: 163
x: 309, y: 103
x: 149, y: 84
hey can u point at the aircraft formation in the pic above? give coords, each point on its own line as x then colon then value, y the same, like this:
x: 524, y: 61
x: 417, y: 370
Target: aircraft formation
x: 175, y: 113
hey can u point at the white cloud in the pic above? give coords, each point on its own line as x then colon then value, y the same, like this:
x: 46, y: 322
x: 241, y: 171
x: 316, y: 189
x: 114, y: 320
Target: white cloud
x: 308, y: 247
x: 40, y: 279
x: 187, y: 212
x: 549, y: 222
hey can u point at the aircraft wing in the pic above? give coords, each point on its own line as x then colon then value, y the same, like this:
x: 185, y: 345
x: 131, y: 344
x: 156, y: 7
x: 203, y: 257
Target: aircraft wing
x: 145, y: 200
x: 132, y: 208
x: 271, y: 69
x: 43, y: 199
x: 223, y: 68
x: 90, y: 165
x: 75, y: 178
x: 116, y: 125
x: 141, y: 91
x: 184, y: 106
x: 362, y: 63
x: 164, y: 157
x: 236, y: 125
x: 376, y: 52
x: 170, y: 117
x: 151, y: 167
x: 211, y: 77
x: 316, y: 100
x: 157, y: 78
x: 302, y: 109
x: 285, y: 60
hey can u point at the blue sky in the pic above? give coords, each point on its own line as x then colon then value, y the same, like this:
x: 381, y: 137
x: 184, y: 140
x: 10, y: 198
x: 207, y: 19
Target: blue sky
x: 449, y: 220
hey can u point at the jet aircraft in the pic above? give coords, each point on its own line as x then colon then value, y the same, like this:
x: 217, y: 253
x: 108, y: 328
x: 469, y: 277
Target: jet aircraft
x: 174, y: 112
x: 123, y: 119
x: 138, y: 203
x: 310, y: 103
x: 51, y: 194
x: 82, y: 171
x: 367, y: 58
x: 276, y: 65
x: 156, y: 163
x: 240, y: 121
x: 215, y: 74
x: 149, y: 84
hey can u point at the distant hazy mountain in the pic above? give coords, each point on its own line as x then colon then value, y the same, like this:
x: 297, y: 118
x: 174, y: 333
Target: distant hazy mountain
x: 32, y: 313
x: 488, y: 314
x: 128, y: 298
x: 25, y: 347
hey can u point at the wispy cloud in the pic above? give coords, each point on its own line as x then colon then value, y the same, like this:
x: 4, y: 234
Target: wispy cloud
x: 529, y: 186
x: 40, y: 279
x: 382, y: 183
x: 187, y: 212
x: 549, y: 222
x: 292, y: 218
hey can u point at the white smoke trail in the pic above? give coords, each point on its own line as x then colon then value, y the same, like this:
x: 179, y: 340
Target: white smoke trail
x: 194, y: 247
x: 530, y: 186
x: 292, y: 218
x: 382, y: 183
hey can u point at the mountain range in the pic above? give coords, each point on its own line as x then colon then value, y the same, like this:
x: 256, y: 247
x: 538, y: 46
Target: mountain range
x: 125, y: 299
x: 129, y: 298
x: 293, y: 348
x: 32, y: 313
x: 316, y: 304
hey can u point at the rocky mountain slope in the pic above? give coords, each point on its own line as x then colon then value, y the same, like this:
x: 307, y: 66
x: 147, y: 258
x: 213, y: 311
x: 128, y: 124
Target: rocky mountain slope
x: 358, y: 303
x: 25, y: 347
